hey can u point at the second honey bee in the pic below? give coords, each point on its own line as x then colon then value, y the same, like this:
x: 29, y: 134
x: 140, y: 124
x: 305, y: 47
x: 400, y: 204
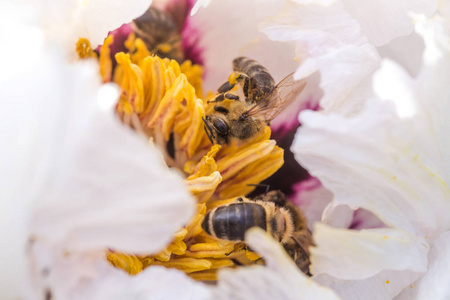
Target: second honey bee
x: 263, y: 101
x: 160, y: 34
x: 271, y: 212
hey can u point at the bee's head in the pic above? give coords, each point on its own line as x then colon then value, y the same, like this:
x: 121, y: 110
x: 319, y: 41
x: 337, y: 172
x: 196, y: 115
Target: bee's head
x: 217, y: 128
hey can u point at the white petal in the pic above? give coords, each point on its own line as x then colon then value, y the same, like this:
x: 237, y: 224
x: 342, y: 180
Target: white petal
x: 228, y: 29
x: 105, y: 186
x: 88, y: 182
x: 343, y: 71
x: 351, y: 254
x: 198, y: 4
x: 433, y: 92
x: 393, y: 83
x: 314, y: 24
x: 384, y: 285
x: 280, y: 279
x: 426, y: 99
x: 407, y: 51
x: 102, y: 16
x: 368, y: 161
x: 88, y: 275
x: 153, y: 283
x: 322, y: 2
x: 312, y: 198
x: 444, y: 8
x: 364, y: 219
x: 339, y: 216
x: 433, y: 285
x: 384, y: 20
x: 20, y: 68
x: 329, y: 40
x: 66, y: 21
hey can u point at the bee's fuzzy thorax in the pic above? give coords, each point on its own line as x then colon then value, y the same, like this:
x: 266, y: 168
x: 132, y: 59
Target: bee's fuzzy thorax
x: 289, y: 225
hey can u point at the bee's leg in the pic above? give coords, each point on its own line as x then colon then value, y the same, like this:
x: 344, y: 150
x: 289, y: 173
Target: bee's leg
x: 236, y: 262
x: 241, y: 78
x: 221, y: 109
x: 235, y: 78
x: 230, y: 96
x: 225, y: 87
x: 221, y: 97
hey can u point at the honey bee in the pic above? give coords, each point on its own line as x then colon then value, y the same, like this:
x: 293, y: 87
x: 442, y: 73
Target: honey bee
x: 263, y: 102
x: 159, y: 33
x: 271, y: 212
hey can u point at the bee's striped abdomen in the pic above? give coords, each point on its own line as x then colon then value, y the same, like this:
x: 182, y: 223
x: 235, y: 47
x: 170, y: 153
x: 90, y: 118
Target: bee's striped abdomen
x: 261, y: 82
x: 230, y: 222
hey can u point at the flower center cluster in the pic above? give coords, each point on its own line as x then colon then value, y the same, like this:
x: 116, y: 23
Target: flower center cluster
x: 164, y: 101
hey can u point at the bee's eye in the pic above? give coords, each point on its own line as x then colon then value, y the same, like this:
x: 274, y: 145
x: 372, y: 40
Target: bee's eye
x: 220, y: 126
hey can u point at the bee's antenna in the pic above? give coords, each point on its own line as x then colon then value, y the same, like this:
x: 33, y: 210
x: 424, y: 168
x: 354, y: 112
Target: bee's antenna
x: 261, y: 185
x: 208, y: 131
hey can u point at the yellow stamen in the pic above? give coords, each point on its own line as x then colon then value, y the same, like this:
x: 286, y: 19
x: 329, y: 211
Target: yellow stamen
x: 170, y: 104
x: 186, y: 264
x: 205, y: 167
x: 247, y: 164
x: 195, y: 227
x: 140, y: 53
x: 194, y: 75
x: 105, y: 60
x: 205, y: 178
x: 84, y: 49
x: 129, y: 263
x: 221, y: 263
x: 130, y: 43
x: 205, y: 186
x: 132, y: 96
x: 209, y: 275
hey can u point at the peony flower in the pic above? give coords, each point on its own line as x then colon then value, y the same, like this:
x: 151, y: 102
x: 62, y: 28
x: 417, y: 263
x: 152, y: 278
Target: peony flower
x: 90, y: 192
x: 102, y: 199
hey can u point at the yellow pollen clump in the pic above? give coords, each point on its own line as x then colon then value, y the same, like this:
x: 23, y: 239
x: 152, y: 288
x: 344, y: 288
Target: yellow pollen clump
x: 165, y: 48
x: 163, y: 101
x: 387, y: 281
x: 232, y: 79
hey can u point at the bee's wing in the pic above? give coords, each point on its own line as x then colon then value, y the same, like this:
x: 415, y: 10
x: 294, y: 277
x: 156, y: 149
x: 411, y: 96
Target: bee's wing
x: 280, y: 97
